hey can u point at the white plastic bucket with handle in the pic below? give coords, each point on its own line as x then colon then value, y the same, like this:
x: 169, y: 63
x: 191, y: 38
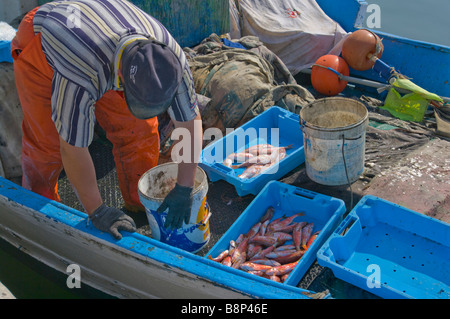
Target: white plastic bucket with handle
x: 153, y: 187
x: 334, y: 137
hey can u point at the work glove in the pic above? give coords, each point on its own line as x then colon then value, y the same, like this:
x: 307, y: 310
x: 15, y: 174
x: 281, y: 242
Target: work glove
x: 110, y: 219
x: 179, y: 202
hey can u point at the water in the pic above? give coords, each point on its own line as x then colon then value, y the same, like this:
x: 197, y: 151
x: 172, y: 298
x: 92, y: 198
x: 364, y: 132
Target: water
x: 28, y: 278
x: 424, y: 20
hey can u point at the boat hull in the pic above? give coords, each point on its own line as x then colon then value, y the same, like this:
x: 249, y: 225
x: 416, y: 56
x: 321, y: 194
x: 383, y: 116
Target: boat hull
x: 134, y: 267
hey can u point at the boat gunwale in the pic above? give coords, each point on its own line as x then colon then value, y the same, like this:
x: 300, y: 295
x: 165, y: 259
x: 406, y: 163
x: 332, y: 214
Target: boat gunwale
x: 135, y: 243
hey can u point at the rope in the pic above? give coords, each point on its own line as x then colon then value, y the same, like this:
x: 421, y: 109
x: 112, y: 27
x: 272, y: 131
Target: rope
x: 346, y: 174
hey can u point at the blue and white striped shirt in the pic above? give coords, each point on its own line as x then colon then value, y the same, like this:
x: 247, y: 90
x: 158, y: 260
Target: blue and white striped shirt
x: 82, y: 41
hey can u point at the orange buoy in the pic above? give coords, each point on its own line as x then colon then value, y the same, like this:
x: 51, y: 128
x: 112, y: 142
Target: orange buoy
x: 361, y: 48
x: 326, y: 81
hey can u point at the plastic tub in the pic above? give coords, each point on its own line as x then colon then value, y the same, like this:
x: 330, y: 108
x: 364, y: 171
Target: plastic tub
x: 5, y: 51
x: 274, y: 126
x: 390, y: 251
x: 324, y: 211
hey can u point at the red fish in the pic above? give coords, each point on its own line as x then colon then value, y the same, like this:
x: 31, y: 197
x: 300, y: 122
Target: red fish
x: 297, y: 234
x: 263, y: 253
x: 262, y: 229
x: 259, y: 160
x: 253, y: 249
x: 253, y: 231
x: 221, y: 256
x: 283, y: 223
x: 263, y: 240
x: 265, y: 261
x: 240, y: 157
x: 227, y: 261
x: 240, y: 250
x: 252, y: 171
x: 256, y: 272
x: 281, y: 270
x: 281, y: 236
x: 311, y: 239
x: 260, y: 149
x: 306, y: 234
x: 268, y: 215
x: 232, y: 247
x: 293, y: 257
x: 239, y: 239
x: 285, y: 247
x: 265, y: 149
x: 287, y: 228
x: 280, y: 253
x: 250, y: 266
x: 274, y: 222
x: 239, y: 260
x: 275, y: 278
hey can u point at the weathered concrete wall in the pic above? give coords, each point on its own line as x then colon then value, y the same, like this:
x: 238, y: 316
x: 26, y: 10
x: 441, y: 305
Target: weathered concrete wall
x: 189, y: 21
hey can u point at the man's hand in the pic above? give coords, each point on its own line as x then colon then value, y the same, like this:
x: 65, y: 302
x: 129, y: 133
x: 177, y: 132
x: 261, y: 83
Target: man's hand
x: 109, y: 219
x: 179, y: 202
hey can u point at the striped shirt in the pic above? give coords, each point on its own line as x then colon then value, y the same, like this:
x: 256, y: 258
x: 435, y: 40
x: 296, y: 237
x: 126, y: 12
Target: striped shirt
x: 82, y: 41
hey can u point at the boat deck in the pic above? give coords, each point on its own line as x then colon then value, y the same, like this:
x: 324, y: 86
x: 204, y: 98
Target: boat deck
x: 405, y: 163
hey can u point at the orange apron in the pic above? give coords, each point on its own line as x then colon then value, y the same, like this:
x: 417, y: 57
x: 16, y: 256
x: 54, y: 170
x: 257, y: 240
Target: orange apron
x: 135, y: 142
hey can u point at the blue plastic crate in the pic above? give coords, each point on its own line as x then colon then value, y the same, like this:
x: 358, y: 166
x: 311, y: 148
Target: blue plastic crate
x: 5, y: 51
x: 324, y: 211
x: 275, y: 124
x: 390, y: 251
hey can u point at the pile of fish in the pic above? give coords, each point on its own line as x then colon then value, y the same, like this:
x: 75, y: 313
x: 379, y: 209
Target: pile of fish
x: 271, y: 248
x: 256, y: 159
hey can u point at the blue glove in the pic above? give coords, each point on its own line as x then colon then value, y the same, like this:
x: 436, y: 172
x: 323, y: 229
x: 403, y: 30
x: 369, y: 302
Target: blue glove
x: 179, y: 203
x: 110, y: 219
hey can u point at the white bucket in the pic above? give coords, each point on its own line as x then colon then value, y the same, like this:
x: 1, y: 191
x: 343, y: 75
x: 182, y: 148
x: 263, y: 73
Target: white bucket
x: 334, y: 129
x: 153, y: 187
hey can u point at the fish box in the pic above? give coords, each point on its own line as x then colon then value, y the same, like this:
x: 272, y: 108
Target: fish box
x: 390, y: 251
x: 275, y: 126
x: 5, y: 51
x: 323, y: 212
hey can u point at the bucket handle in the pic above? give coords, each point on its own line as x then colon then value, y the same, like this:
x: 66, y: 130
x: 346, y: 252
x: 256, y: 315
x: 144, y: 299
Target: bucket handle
x: 204, y: 221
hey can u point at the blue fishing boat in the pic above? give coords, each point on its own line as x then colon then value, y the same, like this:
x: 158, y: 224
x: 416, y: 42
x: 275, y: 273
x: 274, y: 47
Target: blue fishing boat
x: 138, y: 266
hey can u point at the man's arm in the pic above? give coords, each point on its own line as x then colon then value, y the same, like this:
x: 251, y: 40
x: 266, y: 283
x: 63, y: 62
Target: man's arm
x: 186, y: 170
x: 179, y: 200
x: 80, y: 171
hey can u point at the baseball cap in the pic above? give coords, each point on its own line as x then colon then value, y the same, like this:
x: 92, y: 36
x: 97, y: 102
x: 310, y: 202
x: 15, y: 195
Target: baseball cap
x: 151, y: 76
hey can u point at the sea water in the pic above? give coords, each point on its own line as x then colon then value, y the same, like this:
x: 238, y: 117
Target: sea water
x: 422, y: 20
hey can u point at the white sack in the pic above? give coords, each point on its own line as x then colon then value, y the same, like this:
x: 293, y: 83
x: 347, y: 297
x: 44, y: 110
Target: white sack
x: 298, y: 37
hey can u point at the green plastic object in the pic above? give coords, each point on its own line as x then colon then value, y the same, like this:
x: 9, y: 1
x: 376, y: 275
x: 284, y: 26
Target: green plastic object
x: 411, y: 106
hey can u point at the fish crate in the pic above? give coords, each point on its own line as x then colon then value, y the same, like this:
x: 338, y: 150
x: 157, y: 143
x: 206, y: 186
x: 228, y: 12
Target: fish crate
x: 275, y: 126
x: 325, y: 213
x: 5, y: 51
x: 390, y: 251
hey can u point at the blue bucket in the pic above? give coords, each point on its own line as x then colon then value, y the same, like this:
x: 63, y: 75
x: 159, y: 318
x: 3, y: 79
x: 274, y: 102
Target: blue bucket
x: 153, y: 187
